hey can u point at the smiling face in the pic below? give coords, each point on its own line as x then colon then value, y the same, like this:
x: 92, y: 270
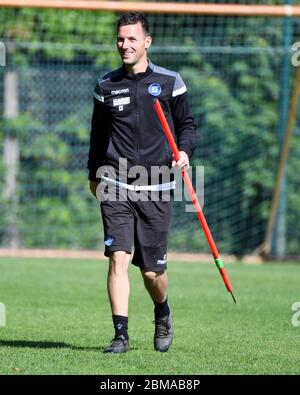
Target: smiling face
x: 132, y: 45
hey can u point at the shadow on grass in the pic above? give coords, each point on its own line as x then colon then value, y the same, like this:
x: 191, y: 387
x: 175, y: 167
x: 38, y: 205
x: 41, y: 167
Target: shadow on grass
x: 44, y: 344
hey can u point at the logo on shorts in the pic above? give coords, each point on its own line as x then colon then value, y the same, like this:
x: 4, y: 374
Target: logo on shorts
x: 162, y: 261
x: 154, y: 89
x: 109, y: 240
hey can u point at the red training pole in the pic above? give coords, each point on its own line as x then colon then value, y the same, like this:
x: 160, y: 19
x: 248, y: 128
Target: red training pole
x: 194, y: 199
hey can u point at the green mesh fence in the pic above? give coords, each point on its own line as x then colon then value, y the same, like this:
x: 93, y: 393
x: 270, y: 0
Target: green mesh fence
x: 238, y: 72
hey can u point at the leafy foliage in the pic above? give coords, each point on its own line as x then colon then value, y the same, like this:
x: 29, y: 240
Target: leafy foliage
x: 235, y: 96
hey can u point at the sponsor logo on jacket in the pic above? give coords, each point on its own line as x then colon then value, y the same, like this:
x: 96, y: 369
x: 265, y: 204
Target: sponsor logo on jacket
x: 119, y: 91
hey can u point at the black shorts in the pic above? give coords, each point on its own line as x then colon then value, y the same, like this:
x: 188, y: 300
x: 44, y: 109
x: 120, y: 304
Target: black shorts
x: 142, y: 224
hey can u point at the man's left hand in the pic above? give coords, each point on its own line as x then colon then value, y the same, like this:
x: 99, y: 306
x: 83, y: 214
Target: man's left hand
x: 183, y: 163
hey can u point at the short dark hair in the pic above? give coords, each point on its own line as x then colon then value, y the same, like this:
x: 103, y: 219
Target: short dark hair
x: 131, y: 18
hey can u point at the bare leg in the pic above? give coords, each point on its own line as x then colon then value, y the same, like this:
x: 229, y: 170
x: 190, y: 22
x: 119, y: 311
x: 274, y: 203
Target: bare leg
x: 156, y: 284
x: 118, y: 282
x: 118, y: 291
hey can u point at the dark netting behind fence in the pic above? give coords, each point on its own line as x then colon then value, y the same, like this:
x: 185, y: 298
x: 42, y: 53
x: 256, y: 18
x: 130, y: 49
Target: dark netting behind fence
x: 238, y: 72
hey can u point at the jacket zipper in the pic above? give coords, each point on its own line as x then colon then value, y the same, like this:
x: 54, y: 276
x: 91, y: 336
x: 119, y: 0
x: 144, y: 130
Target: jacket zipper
x: 137, y: 123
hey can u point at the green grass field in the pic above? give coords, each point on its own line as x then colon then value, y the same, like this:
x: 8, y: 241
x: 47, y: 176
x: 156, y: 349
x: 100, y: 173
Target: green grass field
x: 58, y: 320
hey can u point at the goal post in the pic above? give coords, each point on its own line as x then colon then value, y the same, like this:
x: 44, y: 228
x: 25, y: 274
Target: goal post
x: 160, y: 8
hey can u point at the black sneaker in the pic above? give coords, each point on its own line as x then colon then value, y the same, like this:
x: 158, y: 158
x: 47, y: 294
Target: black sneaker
x: 163, y: 334
x: 119, y: 344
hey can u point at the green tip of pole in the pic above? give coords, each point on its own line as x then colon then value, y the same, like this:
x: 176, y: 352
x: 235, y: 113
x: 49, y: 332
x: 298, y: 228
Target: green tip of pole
x: 233, y: 297
x: 219, y: 263
x: 155, y: 99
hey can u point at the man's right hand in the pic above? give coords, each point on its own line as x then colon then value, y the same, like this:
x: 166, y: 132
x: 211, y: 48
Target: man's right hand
x: 93, y: 187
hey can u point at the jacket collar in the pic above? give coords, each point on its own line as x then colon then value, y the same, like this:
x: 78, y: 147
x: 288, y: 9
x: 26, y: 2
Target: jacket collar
x: 139, y: 76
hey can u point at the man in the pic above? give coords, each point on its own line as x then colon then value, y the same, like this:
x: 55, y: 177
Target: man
x: 125, y: 126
